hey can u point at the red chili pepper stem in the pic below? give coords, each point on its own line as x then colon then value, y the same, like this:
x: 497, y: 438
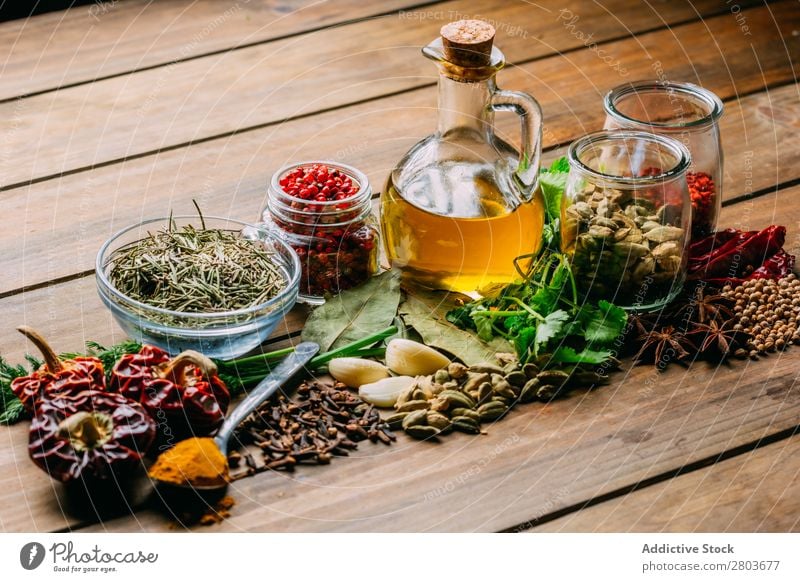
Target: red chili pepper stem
x: 86, y: 430
x: 175, y: 369
x: 51, y: 360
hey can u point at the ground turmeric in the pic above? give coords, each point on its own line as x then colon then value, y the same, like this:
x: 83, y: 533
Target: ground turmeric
x: 195, y: 462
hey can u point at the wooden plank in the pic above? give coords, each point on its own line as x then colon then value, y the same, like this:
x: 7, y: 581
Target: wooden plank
x: 160, y: 108
x: 230, y: 180
x: 229, y: 177
x: 109, y: 38
x: 538, y: 460
x: 754, y: 492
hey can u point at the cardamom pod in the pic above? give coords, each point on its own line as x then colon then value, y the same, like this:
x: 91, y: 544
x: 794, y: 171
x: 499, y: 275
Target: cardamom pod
x: 441, y: 376
x: 530, y: 370
x: 554, y: 377
x: 474, y: 380
x: 492, y: 411
x: 457, y: 399
x: 456, y: 370
x: 528, y: 393
x: 505, y: 390
x: 484, y: 392
x: 486, y: 368
x: 438, y: 420
x: 416, y: 418
x: 395, y: 421
x: 413, y: 405
x: 422, y: 432
x: 517, y: 379
x: 469, y: 413
x: 439, y: 404
x: 546, y: 393
x: 466, y: 424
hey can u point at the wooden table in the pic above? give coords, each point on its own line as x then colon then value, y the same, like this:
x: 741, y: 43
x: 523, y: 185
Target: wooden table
x: 123, y: 110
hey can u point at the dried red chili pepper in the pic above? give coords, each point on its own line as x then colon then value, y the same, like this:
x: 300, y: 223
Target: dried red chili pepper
x: 732, y: 256
x: 90, y: 435
x: 184, y: 391
x: 56, y: 376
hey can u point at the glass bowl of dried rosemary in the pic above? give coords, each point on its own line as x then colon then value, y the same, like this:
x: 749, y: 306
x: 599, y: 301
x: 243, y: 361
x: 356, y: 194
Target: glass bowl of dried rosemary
x: 216, y: 285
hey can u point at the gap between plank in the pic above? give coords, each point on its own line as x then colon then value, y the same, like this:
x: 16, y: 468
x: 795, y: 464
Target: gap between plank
x: 256, y: 127
x: 660, y: 478
x: 220, y: 51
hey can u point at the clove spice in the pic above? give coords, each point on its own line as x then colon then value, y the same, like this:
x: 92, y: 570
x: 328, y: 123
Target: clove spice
x: 325, y: 422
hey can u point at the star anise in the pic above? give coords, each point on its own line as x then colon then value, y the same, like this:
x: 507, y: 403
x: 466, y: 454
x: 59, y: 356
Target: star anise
x: 718, y: 339
x: 663, y: 345
x: 705, y: 307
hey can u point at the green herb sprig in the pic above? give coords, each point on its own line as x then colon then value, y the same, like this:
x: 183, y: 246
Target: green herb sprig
x: 196, y: 270
x: 542, y: 315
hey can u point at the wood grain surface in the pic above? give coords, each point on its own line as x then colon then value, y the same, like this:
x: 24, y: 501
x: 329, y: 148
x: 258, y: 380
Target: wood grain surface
x: 91, y: 42
x: 149, y: 111
x: 757, y: 491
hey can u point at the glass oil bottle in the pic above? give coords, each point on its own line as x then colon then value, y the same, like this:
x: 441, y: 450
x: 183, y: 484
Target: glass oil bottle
x: 462, y: 204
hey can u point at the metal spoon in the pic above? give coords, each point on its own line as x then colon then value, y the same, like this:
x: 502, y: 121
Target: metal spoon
x: 184, y: 496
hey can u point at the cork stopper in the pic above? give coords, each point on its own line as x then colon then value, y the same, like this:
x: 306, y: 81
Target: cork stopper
x: 468, y: 43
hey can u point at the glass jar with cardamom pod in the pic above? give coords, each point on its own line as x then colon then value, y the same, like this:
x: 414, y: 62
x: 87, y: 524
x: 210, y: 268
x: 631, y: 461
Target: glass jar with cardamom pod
x: 627, y: 217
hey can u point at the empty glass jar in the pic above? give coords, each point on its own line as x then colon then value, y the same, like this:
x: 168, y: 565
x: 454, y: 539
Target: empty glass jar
x: 627, y: 217
x: 685, y: 112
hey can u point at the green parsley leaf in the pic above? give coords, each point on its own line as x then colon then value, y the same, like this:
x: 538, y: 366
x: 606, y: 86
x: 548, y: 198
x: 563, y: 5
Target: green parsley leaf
x: 568, y: 355
x: 550, y: 328
x: 604, y: 324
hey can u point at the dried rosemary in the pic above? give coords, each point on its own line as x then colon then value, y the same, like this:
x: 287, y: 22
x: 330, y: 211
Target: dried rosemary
x: 196, y: 271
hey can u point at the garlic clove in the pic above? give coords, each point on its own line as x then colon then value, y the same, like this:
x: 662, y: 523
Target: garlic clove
x: 355, y: 372
x: 411, y: 358
x: 384, y: 392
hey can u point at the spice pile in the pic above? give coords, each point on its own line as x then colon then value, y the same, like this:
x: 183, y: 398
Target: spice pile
x: 463, y: 398
x: 743, y: 302
x: 768, y: 311
x: 326, y: 421
x: 196, y: 271
x: 195, y: 462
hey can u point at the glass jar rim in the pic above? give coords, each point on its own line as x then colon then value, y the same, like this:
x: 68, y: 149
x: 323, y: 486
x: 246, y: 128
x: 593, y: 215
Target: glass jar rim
x: 679, y: 150
x: 364, y: 190
x: 107, y: 288
x: 714, y: 105
x: 280, y: 211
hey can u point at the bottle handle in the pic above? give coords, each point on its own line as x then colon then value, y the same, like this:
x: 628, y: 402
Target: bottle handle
x: 530, y: 114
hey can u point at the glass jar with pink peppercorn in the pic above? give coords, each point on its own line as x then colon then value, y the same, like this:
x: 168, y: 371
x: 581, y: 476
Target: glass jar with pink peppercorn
x: 324, y: 211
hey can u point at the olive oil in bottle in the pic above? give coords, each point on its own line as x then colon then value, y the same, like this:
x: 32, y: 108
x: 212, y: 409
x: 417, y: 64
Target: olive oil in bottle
x: 460, y: 252
x: 462, y: 205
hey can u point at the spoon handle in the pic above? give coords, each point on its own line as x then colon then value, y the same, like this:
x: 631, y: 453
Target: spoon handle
x: 288, y: 367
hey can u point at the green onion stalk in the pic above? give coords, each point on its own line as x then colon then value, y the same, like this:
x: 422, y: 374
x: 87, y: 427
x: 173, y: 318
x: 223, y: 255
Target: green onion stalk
x: 244, y: 373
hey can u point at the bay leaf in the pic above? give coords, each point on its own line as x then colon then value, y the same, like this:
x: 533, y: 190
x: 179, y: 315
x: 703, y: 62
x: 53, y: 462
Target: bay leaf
x: 425, y: 312
x: 355, y: 314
